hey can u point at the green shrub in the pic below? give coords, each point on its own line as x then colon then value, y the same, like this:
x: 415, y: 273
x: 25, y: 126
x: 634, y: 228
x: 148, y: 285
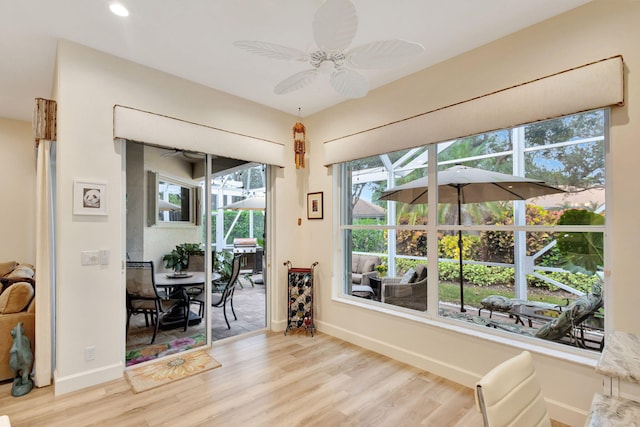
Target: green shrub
x: 483, y: 275
x: 479, y: 275
x: 448, y: 246
x: 579, y: 281
x: 403, y: 264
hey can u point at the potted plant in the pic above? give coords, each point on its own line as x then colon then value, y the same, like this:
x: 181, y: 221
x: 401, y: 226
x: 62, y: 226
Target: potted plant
x: 223, y: 264
x: 178, y: 258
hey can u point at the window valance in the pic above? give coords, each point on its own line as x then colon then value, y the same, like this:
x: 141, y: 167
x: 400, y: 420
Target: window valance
x: 142, y: 126
x: 587, y: 87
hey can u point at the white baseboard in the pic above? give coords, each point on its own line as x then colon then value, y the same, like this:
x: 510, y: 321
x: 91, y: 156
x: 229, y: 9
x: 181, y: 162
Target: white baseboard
x: 69, y: 383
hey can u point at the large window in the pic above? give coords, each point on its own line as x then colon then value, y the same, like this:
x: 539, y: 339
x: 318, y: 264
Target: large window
x: 531, y: 262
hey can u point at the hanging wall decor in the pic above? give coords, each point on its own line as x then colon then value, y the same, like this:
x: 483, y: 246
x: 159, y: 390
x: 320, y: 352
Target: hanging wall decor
x: 89, y: 198
x: 299, y: 135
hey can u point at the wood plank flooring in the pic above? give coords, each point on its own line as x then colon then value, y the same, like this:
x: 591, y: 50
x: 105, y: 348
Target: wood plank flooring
x: 265, y: 380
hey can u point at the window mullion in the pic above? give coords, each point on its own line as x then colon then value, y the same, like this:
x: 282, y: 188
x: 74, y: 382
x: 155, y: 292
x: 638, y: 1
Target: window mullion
x: 433, y: 298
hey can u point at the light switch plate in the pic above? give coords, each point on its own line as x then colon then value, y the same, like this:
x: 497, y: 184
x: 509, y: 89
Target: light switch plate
x: 90, y: 257
x: 104, y: 256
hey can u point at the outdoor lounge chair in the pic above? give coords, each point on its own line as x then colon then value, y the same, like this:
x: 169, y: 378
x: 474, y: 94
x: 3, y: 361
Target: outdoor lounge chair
x: 570, y: 320
x: 504, y: 304
x: 572, y: 317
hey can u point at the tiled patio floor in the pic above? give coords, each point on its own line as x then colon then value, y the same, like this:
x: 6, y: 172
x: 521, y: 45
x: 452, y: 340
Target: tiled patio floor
x: 250, y: 307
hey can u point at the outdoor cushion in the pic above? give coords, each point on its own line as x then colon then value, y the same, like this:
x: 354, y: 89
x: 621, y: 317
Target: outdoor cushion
x: 15, y: 298
x: 498, y: 303
x: 421, y: 272
x: 408, y: 277
x: 368, y: 266
x: 355, y: 259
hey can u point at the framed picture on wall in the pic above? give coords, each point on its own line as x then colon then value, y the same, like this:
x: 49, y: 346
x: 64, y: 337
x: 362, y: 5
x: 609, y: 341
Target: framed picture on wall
x: 315, y: 210
x: 89, y: 198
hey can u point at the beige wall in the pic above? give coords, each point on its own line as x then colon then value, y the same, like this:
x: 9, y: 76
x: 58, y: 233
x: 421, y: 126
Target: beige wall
x: 89, y: 83
x: 18, y: 187
x: 595, y: 31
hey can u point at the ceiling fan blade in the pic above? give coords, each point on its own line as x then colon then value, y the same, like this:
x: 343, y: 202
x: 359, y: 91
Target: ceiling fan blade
x: 349, y: 83
x: 335, y: 25
x: 296, y: 81
x: 383, y: 54
x: 271, y: 50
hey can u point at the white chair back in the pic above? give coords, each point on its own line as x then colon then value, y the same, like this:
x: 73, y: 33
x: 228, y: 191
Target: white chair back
x: 509, y: 395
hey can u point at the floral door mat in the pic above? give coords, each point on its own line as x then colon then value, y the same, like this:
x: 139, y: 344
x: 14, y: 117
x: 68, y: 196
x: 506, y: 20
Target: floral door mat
x: 164, y: 371
x: 154, y: 351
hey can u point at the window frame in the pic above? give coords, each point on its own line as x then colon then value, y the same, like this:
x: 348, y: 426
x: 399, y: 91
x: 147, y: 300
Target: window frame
x: 342, y: 185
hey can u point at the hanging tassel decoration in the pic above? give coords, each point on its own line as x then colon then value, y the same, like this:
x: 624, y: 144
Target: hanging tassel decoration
x: 299, y: 136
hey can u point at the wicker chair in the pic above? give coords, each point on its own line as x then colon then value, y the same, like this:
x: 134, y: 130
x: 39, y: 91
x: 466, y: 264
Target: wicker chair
x: 409, y: 292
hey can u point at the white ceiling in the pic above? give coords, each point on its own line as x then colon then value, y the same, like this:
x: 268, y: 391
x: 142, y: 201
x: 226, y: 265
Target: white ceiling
x: 193, y: 39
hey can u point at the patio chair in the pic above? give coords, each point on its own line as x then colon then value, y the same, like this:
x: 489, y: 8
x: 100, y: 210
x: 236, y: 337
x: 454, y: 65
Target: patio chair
x: 220, y: 299
x: 510, y: 395
x: 195, y: 293
x: 143, y: 296
x: 408, y: 291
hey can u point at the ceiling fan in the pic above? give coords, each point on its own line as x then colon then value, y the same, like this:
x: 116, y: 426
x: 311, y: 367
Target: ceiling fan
x: 334, y: 27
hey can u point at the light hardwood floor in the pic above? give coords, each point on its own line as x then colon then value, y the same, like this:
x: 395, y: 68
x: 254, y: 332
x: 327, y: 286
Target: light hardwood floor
x: 265, y: 380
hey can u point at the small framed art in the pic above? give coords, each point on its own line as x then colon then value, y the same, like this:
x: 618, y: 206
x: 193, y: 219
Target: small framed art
x: 315, y: 210
x: 89, y: 198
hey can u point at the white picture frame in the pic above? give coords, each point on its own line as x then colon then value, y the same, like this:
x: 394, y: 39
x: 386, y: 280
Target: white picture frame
x: 89, y: 197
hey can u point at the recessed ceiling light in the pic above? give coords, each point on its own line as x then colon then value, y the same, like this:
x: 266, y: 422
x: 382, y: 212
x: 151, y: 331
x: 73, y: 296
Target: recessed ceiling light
x: 119, y: 9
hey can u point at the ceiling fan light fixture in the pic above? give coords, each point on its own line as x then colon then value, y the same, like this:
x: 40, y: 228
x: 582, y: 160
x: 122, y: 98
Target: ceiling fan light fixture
x: 334, y: 28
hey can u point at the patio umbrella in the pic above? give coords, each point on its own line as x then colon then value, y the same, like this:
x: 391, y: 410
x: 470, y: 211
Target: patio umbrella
x: 256, y: 203
x: 163, y: 205
x: 463, y: 184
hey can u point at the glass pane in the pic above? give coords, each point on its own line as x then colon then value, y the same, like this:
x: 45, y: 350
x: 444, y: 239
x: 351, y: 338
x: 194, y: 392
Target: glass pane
x: 487, y: 267
x: 374, y: 241
x: 489, y: 213
x: 577, y: 126
x: 573, y: 167
x: 478, y: 145
x: 174, y: 201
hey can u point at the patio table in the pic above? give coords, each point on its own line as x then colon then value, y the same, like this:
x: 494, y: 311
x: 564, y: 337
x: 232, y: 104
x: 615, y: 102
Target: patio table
x: 533, y: 312
x: 176, y: 284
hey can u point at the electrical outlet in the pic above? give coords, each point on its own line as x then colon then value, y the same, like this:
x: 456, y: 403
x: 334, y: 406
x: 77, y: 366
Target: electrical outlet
x: 90, y: 353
